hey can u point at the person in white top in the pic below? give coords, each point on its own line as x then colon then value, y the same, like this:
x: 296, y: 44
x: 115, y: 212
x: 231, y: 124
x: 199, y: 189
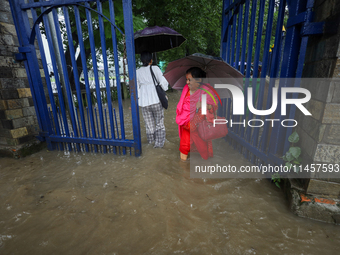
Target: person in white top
x: 152, y: 110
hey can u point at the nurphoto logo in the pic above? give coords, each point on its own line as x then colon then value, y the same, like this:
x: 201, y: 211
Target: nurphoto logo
x: 238, y: 105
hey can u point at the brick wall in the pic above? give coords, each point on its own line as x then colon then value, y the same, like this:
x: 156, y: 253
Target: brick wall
x: 18, y: 122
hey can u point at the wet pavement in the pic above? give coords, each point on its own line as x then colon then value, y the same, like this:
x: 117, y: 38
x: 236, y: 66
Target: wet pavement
x: 85, y: 203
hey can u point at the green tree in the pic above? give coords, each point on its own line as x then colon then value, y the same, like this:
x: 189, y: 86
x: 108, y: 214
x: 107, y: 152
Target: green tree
x: 138, y: 23
x: 198, y: 21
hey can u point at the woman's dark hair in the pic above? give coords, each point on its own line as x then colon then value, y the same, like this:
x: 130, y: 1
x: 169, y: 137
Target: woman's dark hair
x: 145, y: 57
x: 196, y: 72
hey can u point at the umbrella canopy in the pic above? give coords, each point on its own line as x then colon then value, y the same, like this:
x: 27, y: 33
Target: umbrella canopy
x: 216, y: 69
x: 155, y: 39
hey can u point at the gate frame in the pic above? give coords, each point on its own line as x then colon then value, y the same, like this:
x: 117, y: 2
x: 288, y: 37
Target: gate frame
x: 300, y: 26
x: 27, y: 53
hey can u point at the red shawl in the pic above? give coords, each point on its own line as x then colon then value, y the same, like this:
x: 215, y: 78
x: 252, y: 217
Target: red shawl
x: 186, y: 107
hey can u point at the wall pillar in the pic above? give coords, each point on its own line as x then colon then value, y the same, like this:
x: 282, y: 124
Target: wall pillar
x: 320, y: 133
x: 18, y: 122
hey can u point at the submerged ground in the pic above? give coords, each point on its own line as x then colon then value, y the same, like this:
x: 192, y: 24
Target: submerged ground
x: 82, y: 203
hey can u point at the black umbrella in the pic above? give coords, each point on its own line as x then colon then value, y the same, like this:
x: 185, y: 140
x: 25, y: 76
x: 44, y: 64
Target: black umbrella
x: 155, y: 39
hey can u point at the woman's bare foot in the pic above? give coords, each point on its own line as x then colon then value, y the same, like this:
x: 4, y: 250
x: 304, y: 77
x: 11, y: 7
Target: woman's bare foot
x: 183, y: 156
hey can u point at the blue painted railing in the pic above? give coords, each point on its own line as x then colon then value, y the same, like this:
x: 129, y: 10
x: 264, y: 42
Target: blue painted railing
x: 73, y: 119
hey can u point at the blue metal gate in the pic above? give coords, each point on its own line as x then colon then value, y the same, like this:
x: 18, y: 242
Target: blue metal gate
x: 266, y: 39
x: 77, y: 112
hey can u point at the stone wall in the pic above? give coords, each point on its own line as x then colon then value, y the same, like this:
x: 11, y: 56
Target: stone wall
x: 18, y: 122
x: 320, y: 133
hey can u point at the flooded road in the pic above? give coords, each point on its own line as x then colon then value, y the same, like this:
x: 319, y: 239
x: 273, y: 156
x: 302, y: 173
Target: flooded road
x: 82, y: 203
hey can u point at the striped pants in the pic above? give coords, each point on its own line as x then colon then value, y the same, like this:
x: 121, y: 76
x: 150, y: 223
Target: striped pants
x: 154, y: 123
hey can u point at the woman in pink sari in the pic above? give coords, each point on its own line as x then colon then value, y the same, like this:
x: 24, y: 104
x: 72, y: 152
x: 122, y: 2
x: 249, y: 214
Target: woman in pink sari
x: 188, y: 115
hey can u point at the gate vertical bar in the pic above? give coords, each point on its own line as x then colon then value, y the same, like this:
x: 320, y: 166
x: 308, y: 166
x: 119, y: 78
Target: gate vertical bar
x: 223, y: 48
x: 106, y: 67
x: 232, y: 60
x: 239, y: 35
x: 90, y: 118
x: 95, y: 69
x: 63, y: 119
x: 116, y: 61
x: 229, y: 33
x: 288, y: 70
x: 66, y: 79
x: 256, y: 65
x: 48, y: 80
x: 130, y: 48
x: 298, y: 75
x: 273, y: 67
x: 75, y: 74
x: 265, y: 63
x: 249, y: 58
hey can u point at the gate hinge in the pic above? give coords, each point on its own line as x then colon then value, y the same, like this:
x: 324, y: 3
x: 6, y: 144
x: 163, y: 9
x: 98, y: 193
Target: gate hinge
x: 304, y: 19
x: 21, y: 56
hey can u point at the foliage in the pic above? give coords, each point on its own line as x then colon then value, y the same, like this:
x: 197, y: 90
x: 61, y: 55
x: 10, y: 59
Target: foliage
x: 276, y: 178
x: 199, y: 22
x: 292, y: 156
x: 138, y: 23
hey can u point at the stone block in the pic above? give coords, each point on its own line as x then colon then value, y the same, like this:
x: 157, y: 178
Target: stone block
x: 332, y: 134
x: 23, y: 122
x: 332, y: 114
x: 42, y: 73
x: 323, y: 68
x: 7, y: 39
x: 30, y: 101
x: 331, y: 47
x: 308, y: 70
x: 4, y: 6
x: 12, y: 141
x: 327, y: 189
x: 311, y: 126
x: 3, y: 115
x: 7, y: 28
x: 17, y: 103
x: 16, y: 41
x: 19, y: 73
x: 26, y: 139
x: 33, y: 129
x: 6, y: 72
x: 319, y: 211
x: 3, y: 140
x: 6, y: 17
x: 9, y: 94
x: 307, y: 143
x: 336, y: 9
x: 8, y: 62
x: 13, y: 114
x: 323, y: 10
x: 336, y: 93
x: 316, y: 108
x: 7, y: 124
x: 327, y: 153
x: 319, y: 88
x: 29, y: 111
x: 24, y: 92
x: 6, y: 133
x: 9, y: 83
x: 3, y: 105
x: 19, y: 132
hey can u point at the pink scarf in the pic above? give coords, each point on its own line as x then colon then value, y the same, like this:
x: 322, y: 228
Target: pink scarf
x: 186, y: 109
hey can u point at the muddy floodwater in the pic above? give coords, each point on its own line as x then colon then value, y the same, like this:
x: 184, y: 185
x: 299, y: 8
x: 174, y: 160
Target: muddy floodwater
x: 85, y: 203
